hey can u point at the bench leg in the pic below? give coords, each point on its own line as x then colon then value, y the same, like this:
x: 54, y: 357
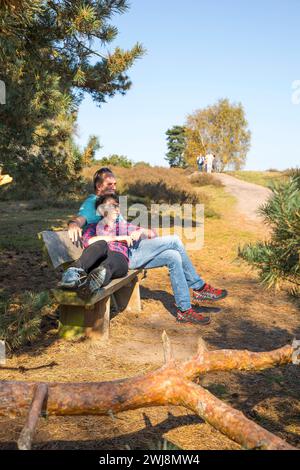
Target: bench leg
x: 97, y: 320
x: 92, y: 322
x: 128, y: 297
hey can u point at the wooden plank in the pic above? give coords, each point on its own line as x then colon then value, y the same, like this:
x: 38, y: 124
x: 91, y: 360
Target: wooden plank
x: 70, y: 297
x: 60, y: 248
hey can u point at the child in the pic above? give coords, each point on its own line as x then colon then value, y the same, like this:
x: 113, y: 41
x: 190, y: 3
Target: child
x: 106, y: 248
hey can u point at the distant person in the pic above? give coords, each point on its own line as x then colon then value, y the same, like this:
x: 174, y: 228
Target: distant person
x: 218, y: 165
x: 200, y: 163
x: 209, y: 158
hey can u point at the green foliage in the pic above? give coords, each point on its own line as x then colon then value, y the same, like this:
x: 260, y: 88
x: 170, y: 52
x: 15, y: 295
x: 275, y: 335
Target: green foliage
x: 221, y: 129
x: 20, y: 319
x: 278, y: 259
x: 115, y: 160
x: 49, y: 57
x: 176, y: 141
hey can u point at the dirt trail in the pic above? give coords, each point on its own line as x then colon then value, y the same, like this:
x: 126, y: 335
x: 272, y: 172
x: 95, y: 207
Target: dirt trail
x: 249, y: 196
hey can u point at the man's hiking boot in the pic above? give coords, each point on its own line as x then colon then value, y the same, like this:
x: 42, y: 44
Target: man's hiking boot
x: 73, y: 278
x: 191, y: 316
x: 208, y: 292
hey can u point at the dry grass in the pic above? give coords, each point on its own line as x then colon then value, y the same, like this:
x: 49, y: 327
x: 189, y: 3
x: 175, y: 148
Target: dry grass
x: 263, y: 178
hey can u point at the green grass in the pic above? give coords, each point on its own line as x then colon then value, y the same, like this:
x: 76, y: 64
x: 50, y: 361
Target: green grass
x: 263, y: 178
x: 19, y: 226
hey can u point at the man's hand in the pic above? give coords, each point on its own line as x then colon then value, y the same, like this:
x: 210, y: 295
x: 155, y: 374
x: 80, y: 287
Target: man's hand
x: 75, y: 232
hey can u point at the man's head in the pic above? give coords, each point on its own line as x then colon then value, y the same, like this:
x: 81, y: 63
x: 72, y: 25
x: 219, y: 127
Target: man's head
x: 104, y: 182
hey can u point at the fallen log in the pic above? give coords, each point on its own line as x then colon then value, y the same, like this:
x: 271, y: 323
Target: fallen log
x: 169, y: 385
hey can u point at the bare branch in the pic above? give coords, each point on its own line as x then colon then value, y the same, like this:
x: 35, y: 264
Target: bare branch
x: 168, y: 353
x: 25, y: 439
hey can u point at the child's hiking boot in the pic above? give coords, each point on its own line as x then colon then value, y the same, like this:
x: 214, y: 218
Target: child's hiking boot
x: 73, y: 278
x: 96, y: 279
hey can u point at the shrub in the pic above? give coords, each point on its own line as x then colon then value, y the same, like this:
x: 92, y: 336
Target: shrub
x: 20, y: 319
x: 278, y: 259
x: 141, y: 163
x: 292, y: 172
x: 205, y: 179
x: 160, y: 185
x: 115, y: 160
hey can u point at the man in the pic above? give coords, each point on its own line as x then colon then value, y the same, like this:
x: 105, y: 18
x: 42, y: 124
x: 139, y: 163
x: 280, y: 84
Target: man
x: 153, y: 253
x: 209, y: 158
x: 104, y: 183
x: 200, y: 162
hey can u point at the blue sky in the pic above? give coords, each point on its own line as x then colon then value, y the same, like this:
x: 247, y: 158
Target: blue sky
x: 198, y: 52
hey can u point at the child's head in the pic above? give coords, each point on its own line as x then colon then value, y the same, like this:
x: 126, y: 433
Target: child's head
x: 108, y: 206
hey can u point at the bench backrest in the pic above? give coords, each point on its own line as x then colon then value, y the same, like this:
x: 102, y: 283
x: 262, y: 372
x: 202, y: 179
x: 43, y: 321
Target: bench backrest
x: 59, y: 247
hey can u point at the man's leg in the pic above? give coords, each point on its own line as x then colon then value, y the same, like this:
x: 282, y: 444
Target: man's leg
x: 172, y: 259
x: 185, y: 313
x: 149, y: 249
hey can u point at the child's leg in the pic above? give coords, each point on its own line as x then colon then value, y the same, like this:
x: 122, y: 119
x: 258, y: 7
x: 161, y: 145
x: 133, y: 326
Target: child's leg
x: 92, y: 256
x: 116, y: 265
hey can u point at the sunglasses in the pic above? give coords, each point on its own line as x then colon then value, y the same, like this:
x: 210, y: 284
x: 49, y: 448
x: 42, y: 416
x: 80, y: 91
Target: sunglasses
x: 110, y: 206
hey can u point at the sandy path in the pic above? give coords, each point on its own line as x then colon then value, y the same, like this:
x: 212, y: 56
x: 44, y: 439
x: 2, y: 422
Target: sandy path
x: 249, y: 196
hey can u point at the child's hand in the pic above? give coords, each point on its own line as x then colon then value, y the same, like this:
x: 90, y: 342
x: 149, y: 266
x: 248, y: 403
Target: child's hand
x: 136, y: 235
x: 127, y: 239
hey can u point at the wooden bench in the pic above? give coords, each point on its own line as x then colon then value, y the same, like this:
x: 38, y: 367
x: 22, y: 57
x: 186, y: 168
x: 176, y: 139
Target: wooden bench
x: 90, y: 316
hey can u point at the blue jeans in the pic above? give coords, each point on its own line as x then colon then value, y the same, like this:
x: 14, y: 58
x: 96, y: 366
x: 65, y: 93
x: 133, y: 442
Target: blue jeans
x: 168, y: 251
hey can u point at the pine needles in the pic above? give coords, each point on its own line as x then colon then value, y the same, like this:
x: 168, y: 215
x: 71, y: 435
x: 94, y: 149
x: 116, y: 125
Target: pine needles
x: 20, y: 319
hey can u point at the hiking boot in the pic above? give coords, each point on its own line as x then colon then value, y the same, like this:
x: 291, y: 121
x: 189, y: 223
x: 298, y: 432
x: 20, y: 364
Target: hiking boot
x: 208, y: 292
x: 73, y: 278
x: 96, y: 278
x: 191, y: 316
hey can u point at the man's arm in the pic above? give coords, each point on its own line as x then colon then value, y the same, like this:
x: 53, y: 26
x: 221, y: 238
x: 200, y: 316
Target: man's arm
x: 86, y: 214
x: 75, y: 228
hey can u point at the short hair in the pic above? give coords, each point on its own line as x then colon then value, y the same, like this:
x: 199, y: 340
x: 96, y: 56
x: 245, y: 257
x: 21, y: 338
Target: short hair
x: 101, y: 199
x: 100, y: 174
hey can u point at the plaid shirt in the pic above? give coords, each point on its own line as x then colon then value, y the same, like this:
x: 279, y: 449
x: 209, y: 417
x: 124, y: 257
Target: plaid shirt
x: 120, y: 227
